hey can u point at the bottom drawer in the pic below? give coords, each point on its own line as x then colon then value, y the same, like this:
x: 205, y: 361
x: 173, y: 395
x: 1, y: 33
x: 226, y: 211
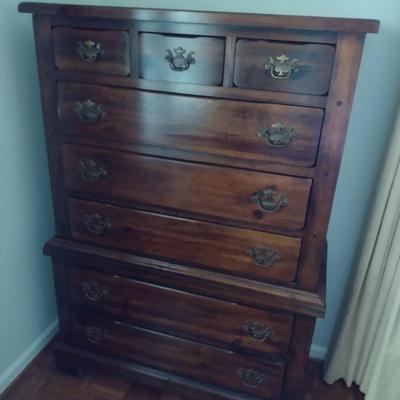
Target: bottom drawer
x: 179, y: 356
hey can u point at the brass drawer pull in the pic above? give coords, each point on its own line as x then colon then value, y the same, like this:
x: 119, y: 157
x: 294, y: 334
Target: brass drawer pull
x: 258, y: 331
x: 93, y: 291
x: 251, y: 378
x: 263, y: 256
x: 267, y: 202
x: 281, y: 67
x: 96, y: 224
x: 95, y: 335
x: 180, y: 61
x: 88, y: 111
x: 277, y: 135
x: 90, y: 51
x: 90, y: 171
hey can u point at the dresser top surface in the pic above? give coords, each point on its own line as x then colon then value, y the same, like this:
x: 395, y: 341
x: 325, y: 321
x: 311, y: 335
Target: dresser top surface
x: 347, y: 25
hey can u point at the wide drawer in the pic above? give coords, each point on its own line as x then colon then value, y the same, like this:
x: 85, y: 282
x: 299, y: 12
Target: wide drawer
x: 249, y: 131
x: 283, y: 67
x: 179, y: 356
x: 197, y: 317
x: 183, y: 59
x: 252, y: 254
x: 204, y: 190
x: 92, y: 51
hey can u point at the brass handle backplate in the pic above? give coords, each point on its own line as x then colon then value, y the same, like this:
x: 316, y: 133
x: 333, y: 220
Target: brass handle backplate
x: 251, y: 378
x: 268, y: 202
x: 281, y: 67
x: 180, y: 61
x: 90, y: 171
x: 257, y: 330
x: 88, y: 111
x: 263, y: 256
x: 89, y: 51
x: 96, y: 224
x: 95, y: 335
x: 93, y: 291
x: 277, y: 135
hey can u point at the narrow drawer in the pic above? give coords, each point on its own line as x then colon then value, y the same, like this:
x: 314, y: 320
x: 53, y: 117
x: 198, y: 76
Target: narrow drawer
x: 196, y: 60
x: 92, y: 51
x: 251, y: 254
x: 204, y: 190
x: 172, y: 311
x: 236, y: 129
x: 283, y: 67
x: 180, y: 356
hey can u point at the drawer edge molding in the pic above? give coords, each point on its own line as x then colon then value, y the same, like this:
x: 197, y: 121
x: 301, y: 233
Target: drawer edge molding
x: 244, y: 291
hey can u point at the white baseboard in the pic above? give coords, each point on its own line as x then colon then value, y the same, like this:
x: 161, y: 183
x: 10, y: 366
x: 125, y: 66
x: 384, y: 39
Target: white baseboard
x: 318, y: 352
x: 12, y: 372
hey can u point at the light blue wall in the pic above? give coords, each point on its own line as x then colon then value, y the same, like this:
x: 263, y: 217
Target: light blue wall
x: 26, y: 291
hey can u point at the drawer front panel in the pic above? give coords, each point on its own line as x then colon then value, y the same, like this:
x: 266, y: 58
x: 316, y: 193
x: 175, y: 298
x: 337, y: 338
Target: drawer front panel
x: 283, y: 67
x: 182, y: 357
x: 250, y: 131
x: 252, y: 254
x: 174, y: 311
x: 231, y: 194
x: 196, y: 60
x: 92, y: 51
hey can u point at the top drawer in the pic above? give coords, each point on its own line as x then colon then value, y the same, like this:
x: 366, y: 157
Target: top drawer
x: 102, y: 52
x: 196, y: 60
x: 283, y: 67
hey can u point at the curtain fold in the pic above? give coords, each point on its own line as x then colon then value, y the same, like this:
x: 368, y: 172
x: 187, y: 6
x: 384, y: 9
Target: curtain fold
x: 367, y: 350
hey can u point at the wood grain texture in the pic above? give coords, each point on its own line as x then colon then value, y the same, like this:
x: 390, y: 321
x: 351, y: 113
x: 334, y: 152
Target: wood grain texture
x: 229, y: 249
x: 244, y: 291
x: 344, y: 79
x: 178, y: 356
x: 205, y: 126
x: 45, y: 62
x: 207, y: 54
x: 44, y: 382
x: 206, y: 190
x: 257, y: 96
x: 114, y: 57
x: 166, y: 179
x: 173, y: 311
x: 197, y: 17
x: 314, y: 66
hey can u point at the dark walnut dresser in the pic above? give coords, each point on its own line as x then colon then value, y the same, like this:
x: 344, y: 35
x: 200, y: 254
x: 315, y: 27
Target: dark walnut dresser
x: 193, y: 160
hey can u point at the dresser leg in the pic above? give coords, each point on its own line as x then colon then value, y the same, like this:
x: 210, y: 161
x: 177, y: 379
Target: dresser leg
x: 296, y: 375
x: 68, y: 365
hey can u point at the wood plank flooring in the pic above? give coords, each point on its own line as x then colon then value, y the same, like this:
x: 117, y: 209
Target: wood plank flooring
x: 41, y: 381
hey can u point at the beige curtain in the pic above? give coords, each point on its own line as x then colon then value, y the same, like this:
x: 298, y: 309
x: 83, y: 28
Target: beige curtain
x: 367, y: 350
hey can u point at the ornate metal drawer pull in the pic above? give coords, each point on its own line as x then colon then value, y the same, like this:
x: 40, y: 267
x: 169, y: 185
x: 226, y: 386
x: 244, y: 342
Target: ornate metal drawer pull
x: 90, y: 51
x: 263, y: 256
x: 277, y: 135
x: 267, y: 202
x: 251, y: 378
x: 258, y: 331
x: 91, y: 171
x: 281, y: 67
x: 180, y: 61
x: 93, y: 291
x: 95, y: 335
x: 88, y: 111
x: 96, y: 224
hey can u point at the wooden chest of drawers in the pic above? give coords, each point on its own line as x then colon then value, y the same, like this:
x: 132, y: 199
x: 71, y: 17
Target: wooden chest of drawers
x: 193, y: 159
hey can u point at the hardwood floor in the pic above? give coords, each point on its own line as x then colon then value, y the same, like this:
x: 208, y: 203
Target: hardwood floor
x: 41, y: 381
